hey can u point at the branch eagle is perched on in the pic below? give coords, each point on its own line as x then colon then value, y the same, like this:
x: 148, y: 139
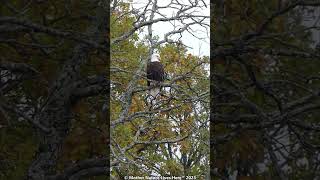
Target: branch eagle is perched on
x: 155, y: 75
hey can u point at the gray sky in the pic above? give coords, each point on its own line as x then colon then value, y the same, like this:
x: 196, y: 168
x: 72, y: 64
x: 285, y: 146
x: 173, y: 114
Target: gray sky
x: 199, y: 47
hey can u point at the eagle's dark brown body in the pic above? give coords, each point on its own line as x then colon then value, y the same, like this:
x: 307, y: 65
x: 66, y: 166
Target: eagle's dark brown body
x: 155, y: 72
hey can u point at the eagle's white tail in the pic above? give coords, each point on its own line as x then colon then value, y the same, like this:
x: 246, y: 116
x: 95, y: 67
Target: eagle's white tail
x: 154, y: 92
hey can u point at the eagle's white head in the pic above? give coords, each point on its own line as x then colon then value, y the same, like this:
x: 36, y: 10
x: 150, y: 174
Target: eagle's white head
x: 155, y: 58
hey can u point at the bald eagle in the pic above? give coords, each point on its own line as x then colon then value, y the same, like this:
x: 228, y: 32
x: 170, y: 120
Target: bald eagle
x: 155, y: 74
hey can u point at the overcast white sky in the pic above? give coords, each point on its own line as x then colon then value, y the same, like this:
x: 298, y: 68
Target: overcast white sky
x: 199, y: 47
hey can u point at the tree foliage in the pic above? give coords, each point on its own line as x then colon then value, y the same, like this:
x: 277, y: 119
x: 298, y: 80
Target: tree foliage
x: 169, y: 137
